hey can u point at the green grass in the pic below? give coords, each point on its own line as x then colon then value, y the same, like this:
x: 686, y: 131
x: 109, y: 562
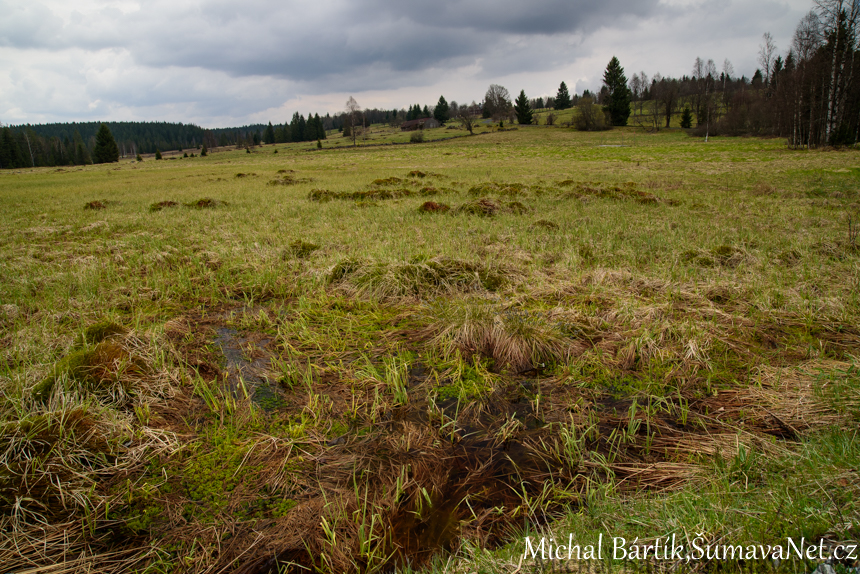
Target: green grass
x: 623, y: 332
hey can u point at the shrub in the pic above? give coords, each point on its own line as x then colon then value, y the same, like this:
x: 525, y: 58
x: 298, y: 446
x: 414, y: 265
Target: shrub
x: 157, y: 153
x: 590, y: 117
x: 417, y: 137
x: 138, y: 158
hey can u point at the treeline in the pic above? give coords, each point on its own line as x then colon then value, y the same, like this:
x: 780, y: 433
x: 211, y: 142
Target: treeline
x: 75, y: 143
x: 809, y: 94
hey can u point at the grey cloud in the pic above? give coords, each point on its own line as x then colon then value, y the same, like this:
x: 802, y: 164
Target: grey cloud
x: 335, y: 37
x: 28, y: 26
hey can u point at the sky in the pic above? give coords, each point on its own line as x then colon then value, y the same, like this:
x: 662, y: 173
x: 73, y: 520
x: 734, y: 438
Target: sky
x: 220, y: 63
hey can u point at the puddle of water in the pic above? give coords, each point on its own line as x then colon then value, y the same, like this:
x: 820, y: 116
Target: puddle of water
x: 249, y: 369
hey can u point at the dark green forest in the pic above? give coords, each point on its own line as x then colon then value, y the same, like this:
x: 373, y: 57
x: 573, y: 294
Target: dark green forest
x: 74, y: 143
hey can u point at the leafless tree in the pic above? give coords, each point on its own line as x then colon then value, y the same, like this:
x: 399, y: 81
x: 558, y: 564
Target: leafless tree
x: 656, y: 98
x: 766, y: 53
x: 805, y: 43
x: 839, y: 19
x: 466, y: 118
x: 30, y: 149
x: 669, y: 92
x: 353, y: 111
x: 635, y: 86
x: 644, y: 83
x: 497, y: 102
x: 728, y: 72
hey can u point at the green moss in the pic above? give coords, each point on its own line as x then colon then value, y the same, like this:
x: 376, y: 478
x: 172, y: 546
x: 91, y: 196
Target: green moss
x: 90, y: 368
x: 268, y: 398
x: 468, y: 384
x: 99, y: 332
x: 282, y: 507
x: 209, y: 477
x: 302, y: 249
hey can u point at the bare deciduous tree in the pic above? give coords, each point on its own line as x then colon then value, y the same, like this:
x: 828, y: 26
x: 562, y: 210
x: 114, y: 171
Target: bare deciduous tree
x: 765, y: 55
x: 497, y: 102
x: 466, y: 118
x: 840, y: 19
x: 656, y: 98
x: 353, y: 110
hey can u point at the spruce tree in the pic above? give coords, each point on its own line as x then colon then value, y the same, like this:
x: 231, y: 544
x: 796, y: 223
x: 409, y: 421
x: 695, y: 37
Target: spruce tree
x: 618, y: 94
x: 441, y: 112
x: 105, y: 150
x: 269, y: 135
x: 10, y: 152
x: 522, y: 109
x: 303, y: 129
x: 296, y: 131
x: 562, y: 98
x: 157, y: 153
x: 320, y: 127
x: 425, y: 113
x: 687, y: 119
x: 82, y: 155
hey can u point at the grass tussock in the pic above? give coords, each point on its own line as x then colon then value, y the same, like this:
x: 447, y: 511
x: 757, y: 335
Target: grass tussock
x: 114, y: 366
x: 484, y: 207
x: 323, y: 195
x: 162, y: 205
x: 587, y: 190
x: 302, y: 249
x: 96, y: 205
x: 543, y: 224
x: 288, y: 179
x: 513, y: 337
x: 207, y: 203
x: 721, y: 255
x: 433, y: 207
x: 500, y: 189
x: 387, y: 181
x: 419, y: 278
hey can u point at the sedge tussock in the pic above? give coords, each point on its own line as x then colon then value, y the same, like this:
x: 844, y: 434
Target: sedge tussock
x: 419, y: 278
x: 513, y: 337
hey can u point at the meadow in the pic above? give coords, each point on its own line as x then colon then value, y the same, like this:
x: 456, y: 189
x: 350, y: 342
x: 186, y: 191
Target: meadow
x: 409, y: 357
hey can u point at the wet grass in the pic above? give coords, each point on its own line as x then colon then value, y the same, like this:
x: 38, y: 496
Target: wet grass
x: 329, y: 370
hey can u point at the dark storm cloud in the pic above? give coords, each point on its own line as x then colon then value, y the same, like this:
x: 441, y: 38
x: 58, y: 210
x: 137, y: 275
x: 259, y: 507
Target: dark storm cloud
x: 310, y: 42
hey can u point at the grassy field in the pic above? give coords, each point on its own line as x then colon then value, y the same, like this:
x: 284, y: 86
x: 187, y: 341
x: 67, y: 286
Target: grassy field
x: 412, y: 356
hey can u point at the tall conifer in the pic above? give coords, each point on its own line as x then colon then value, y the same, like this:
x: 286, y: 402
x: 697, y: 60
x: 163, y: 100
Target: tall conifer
x: 618, y: 100
x: 522, y: 109
x: 562, y: 98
